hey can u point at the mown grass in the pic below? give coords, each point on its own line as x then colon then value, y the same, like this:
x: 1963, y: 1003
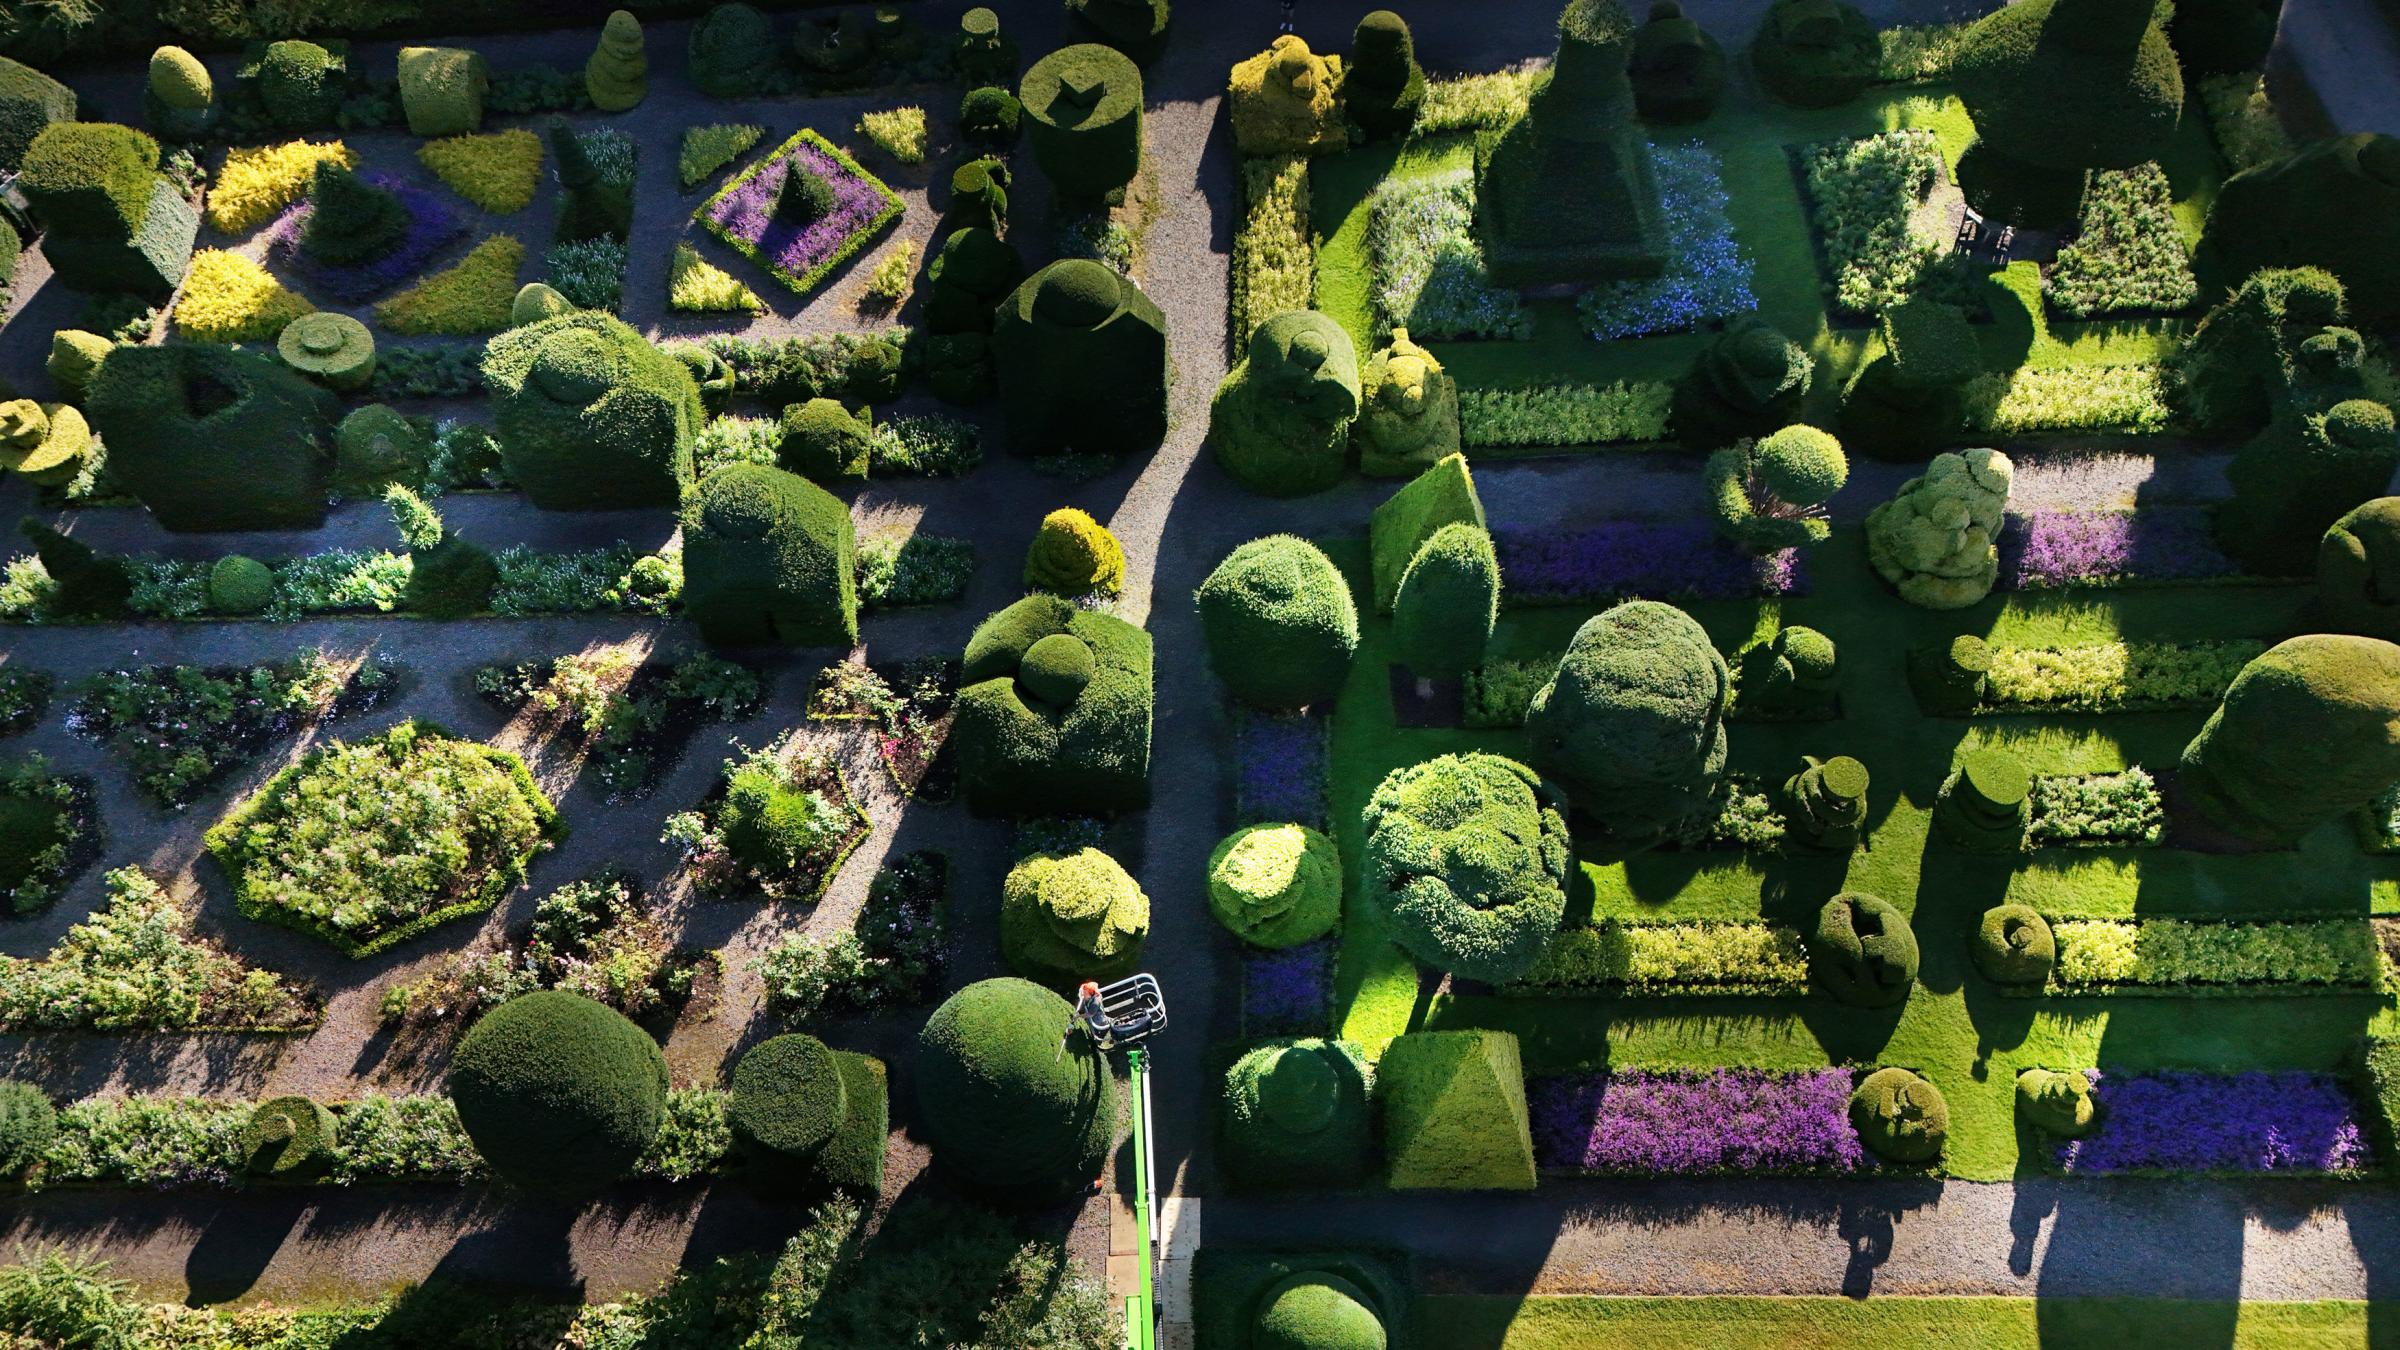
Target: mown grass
x: 1591, y: 1322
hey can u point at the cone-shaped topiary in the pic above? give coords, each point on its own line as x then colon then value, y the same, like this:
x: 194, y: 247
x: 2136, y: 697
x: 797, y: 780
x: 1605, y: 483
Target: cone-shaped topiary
x: 1449, y: 603
x: 1276, y: 886
x: 1408, y: 420
x: 731, y: 52
x: 1280, y: 624
x: 350, y: 221
x: 180, y: 99
x: 2057, y: 1103
x: 591, y: 415
x: 1281, y: 419
x: 289, y: 1139
x: 28, y: 1122
x: 824, y: 442
x: 1678, y: 70
x: 1900, y: 1116
x: 589, y: 206
x: 333, y: 347
x: 1444, y: 494
x: 1825, y: 804
x: 86, y: 584
x: 559, y: 1093
x: 1070, y: 917
x: 1074, y: 555
x: 1383, y: 88
x: 1815, y: 53
x: 1632, y: 724
x: 1286, y: 101
x: 2058, y: 88
x: 2014, y: 945
x: 1466, y: 860
x: 1747, y: 382
x: 1863, y: 951
x: 769, y: 557
x: 215, y: 438
x: 802, y: 198
x: 2298, y: 477
x: 1933, y: 541
x: 1769, y: 495
x: 1295, y: 1115
x: 46, y: 442
x: 2309, y: 730
x: 2358, y: 571
x: 1082, y: 357
x: 2333, y: 204
x: 618, y: 73
x: 1041, y: 731
x: 1986, y: 804
x: 1083, y: 110
x: 1796, y: 676
x: 240, y: 586
x: 1010, y: 1102
x: 1137, y: 28
x: 74, y: 361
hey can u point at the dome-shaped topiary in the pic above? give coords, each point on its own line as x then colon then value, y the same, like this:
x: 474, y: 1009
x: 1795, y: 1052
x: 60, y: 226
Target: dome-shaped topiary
x: 618, y: 73
x: 558, y: 1092
x: 2014, y: 945
x: 1770, y: 495
x: 1815, y: 53
x: 1280, y: 422
x: 2057, y: 1103
x: 299, y: 84
x: 731, y: 52
x: 1863, y: 951
x: 179, y: 98
x: 289, y: 1139
x: 28, y: 1122
x: 1276, y: 886
x: 769, y: 557
x: 1449, y: 602
x: 1632, y: 724
x: 989, y: 116
x: 536, y: 301
x: 1009, y: 1101
x: 1316, y: 1310
x: 1383, y: 87
x: 240, y: 586
x: 2309, y: 730
x: 787, y: 1100
x: 1070, y: 917
x: 1986, y: 804
x: 1082, y: 360
x: 1900, y: 1116
x: 824, y: 442
x: 2358, y: 571
x: 1934, y: 541
x: 375, y: 447
x: 1023, y: 749
x: 335, y: 348
x: 1280, y: 624
x: 1056, y: 671
x: 2058, y: 88
x: 1074, y: 555
x: 1083, y: 107
x: 590, y: 414
x: 1678, y: 70
x: 1467, y: 859
x: 1295, y: 1115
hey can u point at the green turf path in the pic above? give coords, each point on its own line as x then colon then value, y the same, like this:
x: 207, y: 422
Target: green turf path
x: 1591, y: 1322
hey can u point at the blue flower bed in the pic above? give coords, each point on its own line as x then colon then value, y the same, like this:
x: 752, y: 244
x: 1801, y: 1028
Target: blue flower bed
x: 1707, y: 277
x: 1288, y: 992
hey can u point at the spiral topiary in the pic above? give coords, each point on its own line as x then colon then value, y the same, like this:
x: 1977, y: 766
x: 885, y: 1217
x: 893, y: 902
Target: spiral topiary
x: 45, y: 442
x: 2308, y: 731
x: 824, y: 442
x: 1747, y: 382
x: 1279, y: 622
x: 1009, y: 1101
x: 1280, y: 422
x: 1863, y: 951
x: 1083, y: 114
x: 1632, y: 724
x: 787, y: 1100
x: 1295, y: 1114
x: 1466, y: 859
x: 1449, y: 603
x: 240, y: 586
x: 289, y: 1139
x: 1934, y: 540
x: 1070, y: 917
x: 618, y: 73
x: 2055, y: 1103
x: 2014, y: 945
x: 1074, y: 555
x: 179, y: 97
x: 558, y: 1093
x: 1276, y: 886
x: 335, y: 348
x: 28, y: 1122
x: 1986, y: 804
x: 1900, y: 1116
x: 1383, y: 87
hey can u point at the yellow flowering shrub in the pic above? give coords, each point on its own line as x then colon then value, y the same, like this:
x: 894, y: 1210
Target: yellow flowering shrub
x: 473, y: 295
x: 229, y: 298
x: 258, y: 181
x: 899, y: 132
x: 698, y: 286
x: 498, y: 172
x: 2174, y: 952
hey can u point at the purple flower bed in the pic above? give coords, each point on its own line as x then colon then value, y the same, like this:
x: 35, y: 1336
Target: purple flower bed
x: 2102, y: 548
x: 1677, y: 1124
x: 743, y: 213
x: 1279, y: 770
x: 1288, y: 993
x: 1653, y: 559
x: 432, y: 227
x: 2201, y: 1122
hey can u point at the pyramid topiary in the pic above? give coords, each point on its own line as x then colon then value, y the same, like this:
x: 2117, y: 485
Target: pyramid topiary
x: 1452, y: 1109
x: 1010, y: 1102
x: 618, y: 73
x: 1631, y: 726
x: 1279, y: 622
x: 1070, y: 917
x: 558, y: 1093
x: 769, y: 557
x: 2057, y: 89
x: 350, y: 221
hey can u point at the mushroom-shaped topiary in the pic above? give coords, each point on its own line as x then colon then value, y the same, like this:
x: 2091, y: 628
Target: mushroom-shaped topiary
x: 1408, y: 419
x: 1466, y: 860
x: 333, y: 347
x: 2298, y: 477
x: 1449, y: 603
x: 240, y: 586
x: 1070, y: 917
x: 1383, y: 88
x: 1082, y: 359
x: 1825, y: 804
x: 2056, y: 1103
x: 981, y: 53
x: 1678, y: 70
x: 1933, y: 541
x: 1815, y: 53
x: 46, y: 442
x: 1796, y: 676
x: 1948, y: 678
x: 375, y: 447
x: 1295, y: 1115
x: 1632, y: 724
x: 28, y: 1122
x: 215, y: 438
x: 558, y: 1093
x: 824, y: 442
x: 2334, y: 204
x: 1317, y: 1310
x: 769, y: 557
x: 1287, y: 101
x: 1900, y: 1116
x: 1074, y: 555
x: 1769, y: 495
x: 2358, y: 571
x: 2309, y: 730
x: 2014, y: 945
x: 1986, y: 804
x: 1042, y: 729
x: 1009, y: 1101
x: 1281, y: 419
x: 618, y: 73
x: 1863, y: 951
x: 591, y: 416
x: 289, y: 1139
x: 179, y: 98
x: 1747, y: 382
x: 1280, y: 624
x: 1083, y: 114
x: 1276, y: 886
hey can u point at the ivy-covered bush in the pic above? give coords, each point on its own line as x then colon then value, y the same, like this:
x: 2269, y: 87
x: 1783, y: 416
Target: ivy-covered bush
x: 769, y: 557
x: 1452, y: 1109
x: 2303, y: 735
x: 1295, y: 1116
x: 1083, y: 114
x: 1010, y: 1102
x: 1632, y: 725
x: 1900, y: 1116
x: 591, y: 415
x: 1279, y: 622
x: 1053, y: 712
x: 1075, y: 556
x: 215, y: 438
x: 558, y: 1092
x: 1466, y: 860
x: 1276, y: 886
x: 1082, y: 359
x: 1070, y: 917
x: 1863, y: 952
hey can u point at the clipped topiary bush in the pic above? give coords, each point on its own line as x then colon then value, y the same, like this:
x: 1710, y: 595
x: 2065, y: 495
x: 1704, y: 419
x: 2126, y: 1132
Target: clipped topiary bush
x: 618, y: 73
x: 1747, y: 382
x: 1383, y: 87
x: 1986, y: 804
x: 1279, y: 622
x: 1815, y: 53
x: 824, y: 442
x: 1083, y: 114
x: 2057, y: 1103
x: 1906, y: 403
x: 981, y: 53
x: 2308, y: 731
x: 179, y: 98
x: 1797, y: 675
x: 558, y: 1092
x: 1074, y: 555
x: 1466, y: 858
x: 988, y: 116
x: 1452, y: 1109
x: 1824, y: 806
x: 2331, y: 205
x: 2237, y: 369
x: 300, y: 83
x: 442, y: 90
x: 1082, y: 359
x: 240, y: 586
x: 1899, y: 1116
x: 1276, y: 886
x: 1769, y: 495
x: 1449, y: 603
x: 2293, y: 481
x: 1444, y: 494
x: 769, y: 557
x: 1949, y: 679
x: 333, y: 347
x: 974, y: 270
x: 1294, y: 1116
x: 536, y: 301
x: 45, y: 442
x: 1137, y: 28
x: 2014, y: 945
x: 85, y: 584
x: 215, y: 438
x: 1005, y: 1108
x: 978, y: 195
x: 375, y: 447
x: 1863, y: 952
x: 1281, y: 419
x: 1678, y: 70
x: 1408, y: 415
x: 1632, y: 724
x: 350, y: 221
x: 448, y: 577
x: 1070, y: 917
x: 1286, y: 101
x: 809, y: 1119
x: 30, y: 102
x: 590, y: 415
x: 112, y: 221
x: 731, y: 52
x: 289, y: 1139
x: 1040, y: 732
x: 28, y: 1122
x: 1933, y: 541
x: 74, y: 361
x: 2358, y: 571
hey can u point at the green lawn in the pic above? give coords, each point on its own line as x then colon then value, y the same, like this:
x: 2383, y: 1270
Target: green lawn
x: 1589, y: 1322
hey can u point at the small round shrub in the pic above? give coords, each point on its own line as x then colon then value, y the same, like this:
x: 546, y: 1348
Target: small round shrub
x: 1066, y: 918
x: 240, y: 586
x: 536, y: 301
x: 558, y: 1092
x: 1449, y: 602
x: 988, y: 117
x: 2014, y: 945
x: 824, y: 442
x: 28, y: 1122
x: 1467, y: 859
x: 1317, y: 1310
x: 1057, y: 670
x: 1383, y: 87
x: 2057, y: 1103
x: 289, y: 1139
x: 1276, y: 885
x: 1280, y: 624
x: 374, y: 447
x: 1295, y: 1114
x: 1900, y: 1116
x: 178, y: 80
x: 787, y: 1100
x: 1003, y: 1106
x: 299, y: 84
x: 335, y: 348
x: 1863, y: 951
x: 1074, y: 555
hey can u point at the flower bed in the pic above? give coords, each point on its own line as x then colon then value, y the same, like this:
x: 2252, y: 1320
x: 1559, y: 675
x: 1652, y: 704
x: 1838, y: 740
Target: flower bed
x: 1643, y: 1123
x: 1279, y: 769
x: 630, y: 716
x: 910, y: 704
x: 49, y: 833
x: 2188, y: 957
x: 1864, y: 199
x: 181, y: 729
x: 1564, y: 415
x: 1658, y: 560
x: 2043, y: 549
x: 2100, y: 810
x: 432, y: 227
x: 2127, y: 256
x: 1428, y: 269
x: 742, y: 213
x: 894, y: 955
x: 600, y: 937
x: 1707, y: 276
x: 1288, y: 992
x: 2197, y: 1122
x: 794, y: 850
x: 896, y: 570
x: 136, y: 965
x: 2114, y: 677
x: 1670, y: 958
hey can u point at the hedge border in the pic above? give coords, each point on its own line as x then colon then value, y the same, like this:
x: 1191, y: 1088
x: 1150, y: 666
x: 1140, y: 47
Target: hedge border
x: 857, y: 241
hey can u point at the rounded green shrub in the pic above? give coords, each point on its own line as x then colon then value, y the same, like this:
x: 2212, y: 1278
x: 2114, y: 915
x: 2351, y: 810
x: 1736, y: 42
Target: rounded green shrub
x: 1276, y: 886
x: 1863, y: 951
x: 215, y: 438
x: 1003, y: 1106
x: 769, y: 557
x: 536, y: 301
x: 1467, y: 858
x: 1449, y: 602
x: 453, y: 579
x: 1074, y: 555
x: 1769, y: 495
x: 1057, y: 670
x: 375, y: 447
x: 731, y: 52
x: 769, y: 826
x: 333, y: 347
x: 75, y: 358
x: 787, y: 1101
x: 240, y: 586
x: 289, y: 1139
x: 1280, y: 423
x: 2294, y: 480
x: 1279, y: 622
x: 1383, y: 87
x: 442, y: 90
x: 2014, y: 945
x: 1746, y: 383
x: 618, y: 73
x: 1023, y: 749
x: 558, y: 1093
x: 591, y: 415
x: 2305, y: 733
x: 1986, y: 805
x: 1797, y: 674
x: 1082, y: 359
x: 2358, y: 571
x: 1317, y: 1310
x: 988, y: 117
x: 2334, y: 204
x: 1815, y: 53
x: 1900, y: 1116
x: 1678, y: 70
x: 971, y: 273
x: 90, y: 178
x: 1295, y: 1115
x: 1825, y: 804
x: 1083, y: 112
x: 2057, y: 1103
x: 28, y: 1122
x: 1935, y: 540
x: 1070, y: 917
x: 350, y: 220
x: 299, y: 84
x: 824, y: 442
x: 2058, y: 88
x: 179, y: 97
x: 1632, y: 724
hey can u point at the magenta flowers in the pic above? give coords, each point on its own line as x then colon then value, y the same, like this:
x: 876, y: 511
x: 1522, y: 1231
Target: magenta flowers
x: 1649, y: 559
x: 1644, y: 1123
x: 2109, y: 548
x: 743, y: 212
x: 2201, y: 1122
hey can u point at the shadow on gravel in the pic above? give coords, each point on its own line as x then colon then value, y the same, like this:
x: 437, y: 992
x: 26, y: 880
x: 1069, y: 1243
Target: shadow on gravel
x: 236, y: 1245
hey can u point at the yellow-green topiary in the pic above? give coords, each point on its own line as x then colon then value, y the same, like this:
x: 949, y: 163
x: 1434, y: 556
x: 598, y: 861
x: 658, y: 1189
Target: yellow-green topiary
x: 333, y: 347
x: 1287, y: 101
x: 1068, y: 917
x: 477, y: 294
x: 618, y: 73
x: 697, y: 286
x: 230, y: 298
x: 1074, y: 555
x: 442, y: 89
x: 75, y: 358
x: 179, y: 98
x: 1934, y: 540
x: 1276, y: 885
x: 45, y: 442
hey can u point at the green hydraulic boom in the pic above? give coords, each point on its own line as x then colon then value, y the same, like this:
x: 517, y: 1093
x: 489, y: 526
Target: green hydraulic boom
x: 1122, y: 1016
